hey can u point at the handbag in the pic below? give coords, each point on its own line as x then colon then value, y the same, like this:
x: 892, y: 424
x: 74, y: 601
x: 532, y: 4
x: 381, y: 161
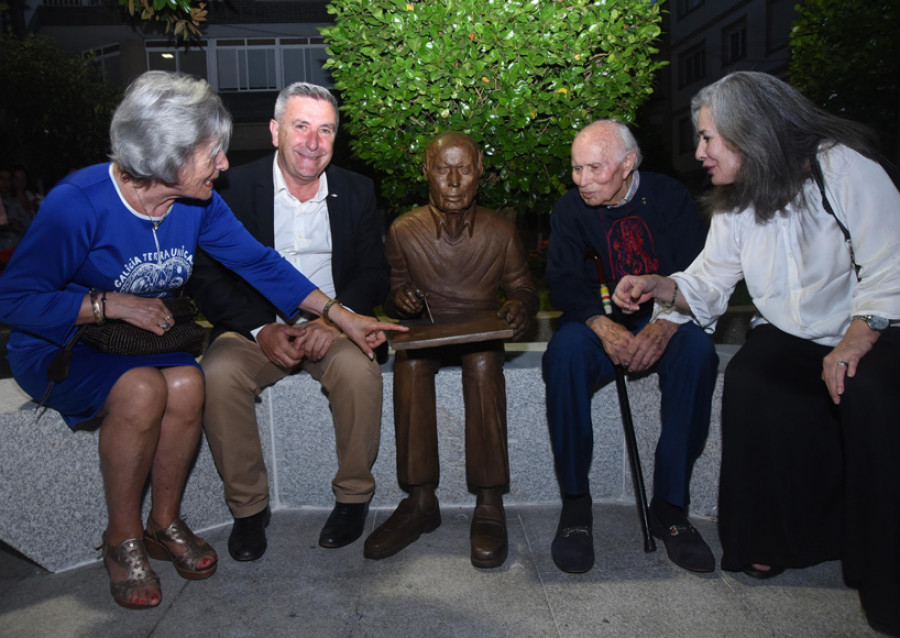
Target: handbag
x: 120, y: 337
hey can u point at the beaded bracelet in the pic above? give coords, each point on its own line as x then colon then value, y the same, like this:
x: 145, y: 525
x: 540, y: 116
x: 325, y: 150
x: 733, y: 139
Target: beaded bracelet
x: 674, y: 296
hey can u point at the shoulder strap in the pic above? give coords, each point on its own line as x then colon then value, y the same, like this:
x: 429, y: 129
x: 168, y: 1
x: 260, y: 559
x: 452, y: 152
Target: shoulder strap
x: 820, y: 182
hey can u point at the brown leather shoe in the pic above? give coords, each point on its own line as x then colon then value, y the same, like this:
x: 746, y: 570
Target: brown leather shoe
x: 401, y: 528
x: 488, y: 536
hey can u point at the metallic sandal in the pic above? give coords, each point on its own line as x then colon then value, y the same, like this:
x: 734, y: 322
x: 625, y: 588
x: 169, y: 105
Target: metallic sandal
x: 179, y: 533
x: 132, y: 557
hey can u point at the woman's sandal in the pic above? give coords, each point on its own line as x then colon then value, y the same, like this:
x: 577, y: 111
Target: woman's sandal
x: 186, y: 563
x: 131, y: 557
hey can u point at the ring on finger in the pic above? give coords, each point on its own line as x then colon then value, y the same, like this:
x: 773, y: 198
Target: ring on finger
x: 165, y: 325
x: 167, y: 317
x: 842, y: 363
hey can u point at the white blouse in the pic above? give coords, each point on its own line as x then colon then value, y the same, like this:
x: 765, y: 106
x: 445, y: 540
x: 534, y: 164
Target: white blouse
x: 797, y: 266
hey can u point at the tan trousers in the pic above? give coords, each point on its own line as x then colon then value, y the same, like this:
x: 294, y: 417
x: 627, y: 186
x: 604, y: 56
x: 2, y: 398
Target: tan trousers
x: 237, y: 371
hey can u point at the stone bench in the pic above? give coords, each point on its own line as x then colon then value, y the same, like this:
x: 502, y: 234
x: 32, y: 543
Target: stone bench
x: 51, y: 497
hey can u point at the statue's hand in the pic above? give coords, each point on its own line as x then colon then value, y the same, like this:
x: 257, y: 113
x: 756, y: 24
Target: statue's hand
x: 515, y: 314
x: 409, y: 301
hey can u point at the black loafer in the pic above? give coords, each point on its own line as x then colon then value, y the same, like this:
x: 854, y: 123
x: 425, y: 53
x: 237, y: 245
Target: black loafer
x: 762, y: 574
x: 684, y: 545
x: 344, y: 525
x: 247, y: 540
x: 573, y: 549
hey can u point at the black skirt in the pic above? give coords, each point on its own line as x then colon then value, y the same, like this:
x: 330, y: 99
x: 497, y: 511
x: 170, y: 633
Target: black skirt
x: 804, y: 480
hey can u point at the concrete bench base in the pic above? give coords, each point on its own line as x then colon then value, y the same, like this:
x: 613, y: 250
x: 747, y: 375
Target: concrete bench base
x: 52, y: 507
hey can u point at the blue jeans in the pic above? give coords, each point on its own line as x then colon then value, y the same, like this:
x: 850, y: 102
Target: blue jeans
x: 575, y: 365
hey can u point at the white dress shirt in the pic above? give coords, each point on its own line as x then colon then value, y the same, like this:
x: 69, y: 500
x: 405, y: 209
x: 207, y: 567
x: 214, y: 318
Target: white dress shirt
x: 303, y: 235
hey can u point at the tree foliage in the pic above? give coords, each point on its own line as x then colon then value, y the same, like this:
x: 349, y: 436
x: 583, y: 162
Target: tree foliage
x: 54, y: 109
x: 181, y: 17
x: 519, y: 76
x: 844, y: 58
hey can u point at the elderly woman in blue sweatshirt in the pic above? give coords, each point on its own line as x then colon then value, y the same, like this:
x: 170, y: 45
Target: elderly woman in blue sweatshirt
x: 110, y: 241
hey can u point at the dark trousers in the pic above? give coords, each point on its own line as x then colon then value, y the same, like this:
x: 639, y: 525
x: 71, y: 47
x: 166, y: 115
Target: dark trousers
x: 575, y: 365
x: 804, y: 480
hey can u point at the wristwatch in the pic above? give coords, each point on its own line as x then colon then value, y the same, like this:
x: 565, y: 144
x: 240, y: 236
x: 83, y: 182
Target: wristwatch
x: 878, y: 324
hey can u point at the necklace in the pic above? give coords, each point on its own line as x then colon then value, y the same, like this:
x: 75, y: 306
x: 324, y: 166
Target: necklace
x: 156, y: 221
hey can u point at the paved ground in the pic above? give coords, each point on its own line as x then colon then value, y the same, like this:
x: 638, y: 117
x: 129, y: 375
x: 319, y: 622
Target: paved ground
x: 430, y: 589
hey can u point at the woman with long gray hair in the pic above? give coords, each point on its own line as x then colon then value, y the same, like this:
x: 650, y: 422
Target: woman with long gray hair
x: 110, y: 242
x: 810, y: 220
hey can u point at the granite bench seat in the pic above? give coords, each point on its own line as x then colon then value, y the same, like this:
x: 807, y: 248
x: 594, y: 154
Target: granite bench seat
x: 51, y: 497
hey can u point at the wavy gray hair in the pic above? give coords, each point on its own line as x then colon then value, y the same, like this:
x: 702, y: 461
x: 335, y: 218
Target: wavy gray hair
x: 305, y: 89
x: 777, y: 133
x: 161, y: 121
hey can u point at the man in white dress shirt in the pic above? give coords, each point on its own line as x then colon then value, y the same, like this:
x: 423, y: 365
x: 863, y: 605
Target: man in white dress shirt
x: 323, y: 220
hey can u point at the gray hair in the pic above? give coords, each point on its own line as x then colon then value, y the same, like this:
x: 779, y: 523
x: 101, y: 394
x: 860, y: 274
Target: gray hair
x: 305, y: 89
x: 160, y: 123
x: 777, y: 132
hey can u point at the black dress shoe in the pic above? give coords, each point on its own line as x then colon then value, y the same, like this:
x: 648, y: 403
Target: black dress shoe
x: 572, y: 549
x: 487, y: 536
x: 344, y: 525
x: 401, y: 528
x: 247, y: 540
x: 684, y: 545
x: 762, y: 574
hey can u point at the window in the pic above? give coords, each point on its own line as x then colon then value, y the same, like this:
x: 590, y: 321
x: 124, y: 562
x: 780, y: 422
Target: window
x: 734, y: 42
x: 692, y: 65
x: 269, y: 64
x: 246, y: 65
x: 161, y: 56
x: 302, y: 61
x: 108, y: 62
x: 687, y: 6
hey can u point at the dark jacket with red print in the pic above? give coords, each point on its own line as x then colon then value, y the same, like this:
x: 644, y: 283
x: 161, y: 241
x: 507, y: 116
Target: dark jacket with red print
x: 659, y: 231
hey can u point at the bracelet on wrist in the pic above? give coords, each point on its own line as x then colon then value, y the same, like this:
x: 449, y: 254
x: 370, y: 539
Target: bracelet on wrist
x: 674, y: 297
x: 327, y: 307
x: 97, y: 308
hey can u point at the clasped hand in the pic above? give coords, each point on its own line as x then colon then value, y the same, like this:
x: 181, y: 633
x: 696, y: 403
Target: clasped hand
x: 286, y: 346
x: 635, y: 353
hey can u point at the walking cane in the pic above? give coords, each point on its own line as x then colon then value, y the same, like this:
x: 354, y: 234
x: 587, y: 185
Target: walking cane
x: 637, y: 474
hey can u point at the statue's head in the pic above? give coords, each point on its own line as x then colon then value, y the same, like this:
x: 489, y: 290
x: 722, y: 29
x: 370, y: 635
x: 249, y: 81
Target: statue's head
x: 453, y: 170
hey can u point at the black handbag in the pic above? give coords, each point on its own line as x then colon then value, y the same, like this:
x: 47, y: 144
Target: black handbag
x: 120, y: 337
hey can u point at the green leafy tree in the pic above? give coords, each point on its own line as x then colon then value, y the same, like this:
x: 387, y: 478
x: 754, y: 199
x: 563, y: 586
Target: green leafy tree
x: 519, y: 76
x: 844, y: 58
x: 54, y: 109
x: 183, y: 18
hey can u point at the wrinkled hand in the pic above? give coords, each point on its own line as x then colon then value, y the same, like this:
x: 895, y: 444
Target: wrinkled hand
x: 633, y: 290
x: 649, y: 344
x: 282, y: 344
x: 615, y: 338
x: 317, y: 339
x: 149, y: 313
x: 409, y: 301
x: 843, y: 361
x: 515, y: 314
